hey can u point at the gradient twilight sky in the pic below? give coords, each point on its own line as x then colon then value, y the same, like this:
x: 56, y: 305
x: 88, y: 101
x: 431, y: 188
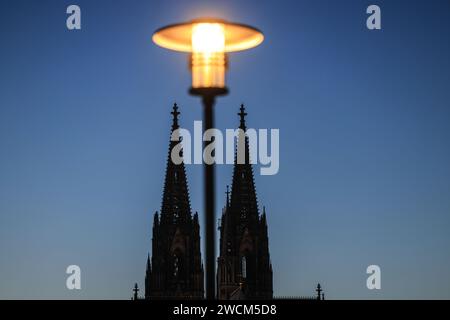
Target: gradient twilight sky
x: 364, y: 142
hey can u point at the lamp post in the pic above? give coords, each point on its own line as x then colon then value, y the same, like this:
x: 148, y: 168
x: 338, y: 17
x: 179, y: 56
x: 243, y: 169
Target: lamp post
x: 207, y: 41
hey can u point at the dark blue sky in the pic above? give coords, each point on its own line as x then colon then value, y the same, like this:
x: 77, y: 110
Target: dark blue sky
x: 364, y: 139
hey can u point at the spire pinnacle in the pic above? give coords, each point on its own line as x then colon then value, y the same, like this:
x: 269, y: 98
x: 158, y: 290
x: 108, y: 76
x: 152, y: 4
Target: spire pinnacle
x: 175, y: 114
x: 263, y: 217
x: 319, y: 291
x: 242, y: 114
x: 135, y: 292
x: 148, y: 270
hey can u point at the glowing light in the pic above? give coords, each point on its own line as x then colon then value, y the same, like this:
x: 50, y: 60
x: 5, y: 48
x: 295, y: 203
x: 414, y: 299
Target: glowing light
x: 208, y: 61
x: 208, y: 40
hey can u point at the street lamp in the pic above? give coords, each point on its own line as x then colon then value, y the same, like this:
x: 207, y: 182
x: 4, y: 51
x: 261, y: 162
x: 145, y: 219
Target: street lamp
x: 208, y: 41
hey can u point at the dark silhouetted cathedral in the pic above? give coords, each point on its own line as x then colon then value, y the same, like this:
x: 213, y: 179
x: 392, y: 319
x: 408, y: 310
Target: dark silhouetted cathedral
x: 176, y: 269
x: 244, y: 270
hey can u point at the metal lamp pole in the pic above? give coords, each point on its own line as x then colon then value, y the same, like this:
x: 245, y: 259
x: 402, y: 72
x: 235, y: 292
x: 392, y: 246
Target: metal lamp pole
x: 208, y: 96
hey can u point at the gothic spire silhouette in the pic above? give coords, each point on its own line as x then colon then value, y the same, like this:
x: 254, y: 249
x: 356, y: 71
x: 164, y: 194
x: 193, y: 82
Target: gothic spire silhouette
x: 175, y: 270
x: 148, y: 273
x: 243, y: 192
x: 175, y: 202
x: 244, y: 269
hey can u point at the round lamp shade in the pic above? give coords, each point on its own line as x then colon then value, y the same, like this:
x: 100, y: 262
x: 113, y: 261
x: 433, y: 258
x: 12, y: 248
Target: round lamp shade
x: 237, y: 37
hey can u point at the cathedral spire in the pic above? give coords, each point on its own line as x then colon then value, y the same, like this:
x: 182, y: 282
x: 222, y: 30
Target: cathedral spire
x: 175, y: 270
x: 175, y: 203
x: 244, y: 247
x: 148, y: 275
x: 243, y: 192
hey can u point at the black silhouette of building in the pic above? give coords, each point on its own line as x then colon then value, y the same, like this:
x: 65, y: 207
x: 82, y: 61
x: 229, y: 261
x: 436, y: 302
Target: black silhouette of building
x: 175, y: 270
x: 244, y: 269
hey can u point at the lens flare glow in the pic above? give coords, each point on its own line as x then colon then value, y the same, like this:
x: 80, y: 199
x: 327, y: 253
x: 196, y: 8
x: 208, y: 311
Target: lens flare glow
x: 208, y: 38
